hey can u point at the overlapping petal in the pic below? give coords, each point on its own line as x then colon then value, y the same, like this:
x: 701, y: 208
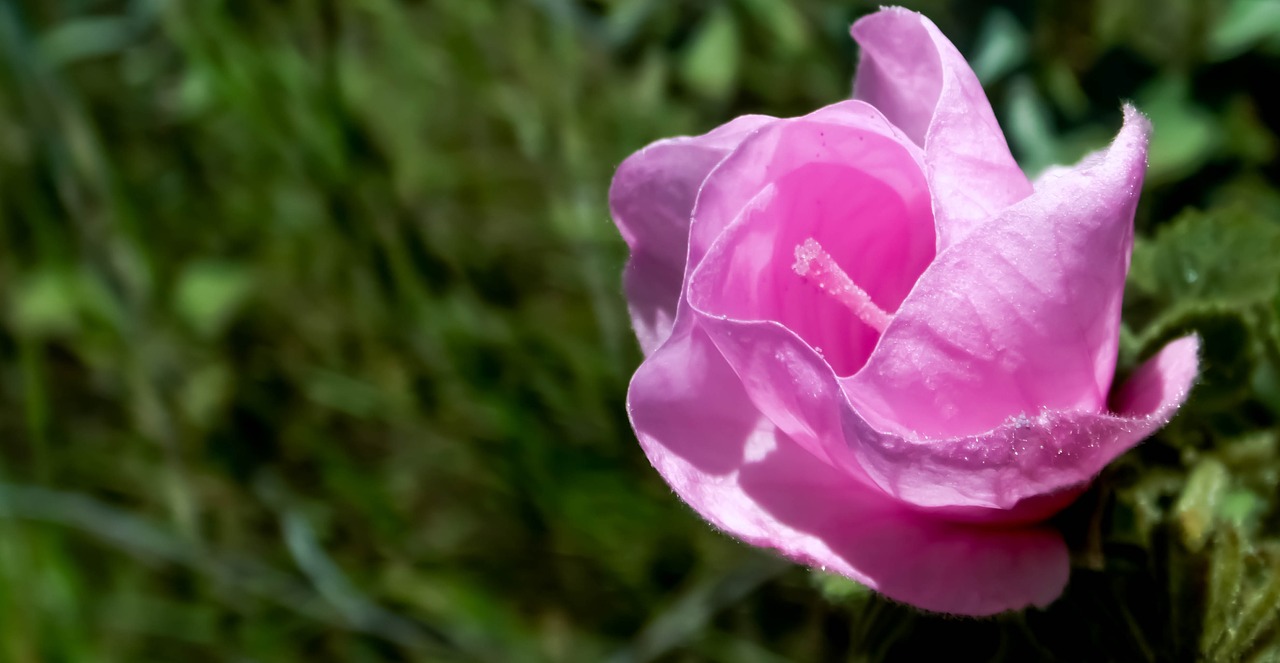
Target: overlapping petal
x: 767, y: 155
x: 1020, y: 471
x: 841, y: 175
x: 985, y: 463
x: 980, y: 476
x: 1032, y: 308
x: 913, y: 431
x: 853, y: 187
x: 732, y: 465
x: 651, y: 200
x: 913, y: 74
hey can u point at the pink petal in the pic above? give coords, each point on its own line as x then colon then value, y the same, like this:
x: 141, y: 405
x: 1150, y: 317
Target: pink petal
x: 1041, y: 454
x: 651, y: 200
x: 1027, y: 463
x: 701, y: 432
x: 1021, y: 318
x: 1160, y: 385
x: 768, y: 155
x: 918, y: 79
x: 855, y: 189
x: 844, y: 177
x: 1022, y: 471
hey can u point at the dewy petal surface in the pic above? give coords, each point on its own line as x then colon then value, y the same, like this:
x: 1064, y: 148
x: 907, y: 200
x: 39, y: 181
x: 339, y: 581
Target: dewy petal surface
x: 1020, y: 318
x: 651, y: 200
x: 1027, y: 457
x: 731, y: 464
x: 913, y: 74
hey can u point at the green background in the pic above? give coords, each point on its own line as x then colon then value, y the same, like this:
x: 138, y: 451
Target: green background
x: 313, y: 347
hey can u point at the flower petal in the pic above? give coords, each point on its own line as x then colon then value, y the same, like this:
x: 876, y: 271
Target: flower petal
x: 1021, y: 471
x: 851, y: 188
x: 1029, y: 457
x: 771, y: 153
x: 701, y: 432
x: 844, y: 176
x: 916, y: 77
x: 1021, y: 318
x: 1025, y: 464
x: 651, y: 200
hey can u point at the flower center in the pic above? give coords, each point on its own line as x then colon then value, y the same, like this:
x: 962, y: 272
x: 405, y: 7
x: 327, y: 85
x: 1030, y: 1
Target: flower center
x: 816, y: 266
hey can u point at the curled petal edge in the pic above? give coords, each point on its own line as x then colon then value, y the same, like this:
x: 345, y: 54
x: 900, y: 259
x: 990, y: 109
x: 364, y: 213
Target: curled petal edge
x: 1020, y: 317
x: 740, y: 472
x: 913, y: 73
x: 651, y: 201
x: 1030, y: 456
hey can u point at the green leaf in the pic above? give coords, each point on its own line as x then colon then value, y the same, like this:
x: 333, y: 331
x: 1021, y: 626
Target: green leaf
x: 209, y: 293
x: 1063, y: 87
x: 1184, y: 135
x: 46, y: 303
x: 1241, y: 621
x: 1002, y: 46
x: 710, y: 62
x: 1166, y: 32
x: 1030, y: 127
x: 1226, y: 256
x: 1245, y: 24
x: 626, y: 19
x: 1227, y: 357
x: 1226, y: 577
x: 838, y: 589
x: 783, y: 21
x: 204, y: 393
x: 1198, y: 507
x: 88, y: 38
x: 1245, y: 132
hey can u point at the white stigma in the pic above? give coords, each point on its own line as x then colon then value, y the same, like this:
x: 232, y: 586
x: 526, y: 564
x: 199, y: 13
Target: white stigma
x: 816, y: 266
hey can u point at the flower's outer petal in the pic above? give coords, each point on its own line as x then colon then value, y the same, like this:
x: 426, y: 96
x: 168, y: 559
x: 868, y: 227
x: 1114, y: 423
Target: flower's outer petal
x: 844, y: 178
x: 702, y: 433
x: 766, y: 155
x: 1029, y: 458
x: 1023, y: 467
x: 917, y: 78
x: 1019, y: 319
x: 651, y: 200
x: 854, y: 189
x: 1022, y: 471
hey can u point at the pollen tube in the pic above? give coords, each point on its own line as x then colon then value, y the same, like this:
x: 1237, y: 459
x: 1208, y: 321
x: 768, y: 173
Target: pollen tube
x: 816, y: 266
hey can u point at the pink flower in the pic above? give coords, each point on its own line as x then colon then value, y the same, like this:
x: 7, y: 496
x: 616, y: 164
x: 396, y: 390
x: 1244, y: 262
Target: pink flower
x: 873, y: 345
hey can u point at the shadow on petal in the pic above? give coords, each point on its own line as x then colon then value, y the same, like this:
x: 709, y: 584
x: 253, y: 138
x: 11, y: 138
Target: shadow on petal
x: 730, y: 464
x: 651, y: 200
x: 906, y: 555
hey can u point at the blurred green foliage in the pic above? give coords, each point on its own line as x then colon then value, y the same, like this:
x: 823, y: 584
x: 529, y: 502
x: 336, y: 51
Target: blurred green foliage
x: 312, y: 345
